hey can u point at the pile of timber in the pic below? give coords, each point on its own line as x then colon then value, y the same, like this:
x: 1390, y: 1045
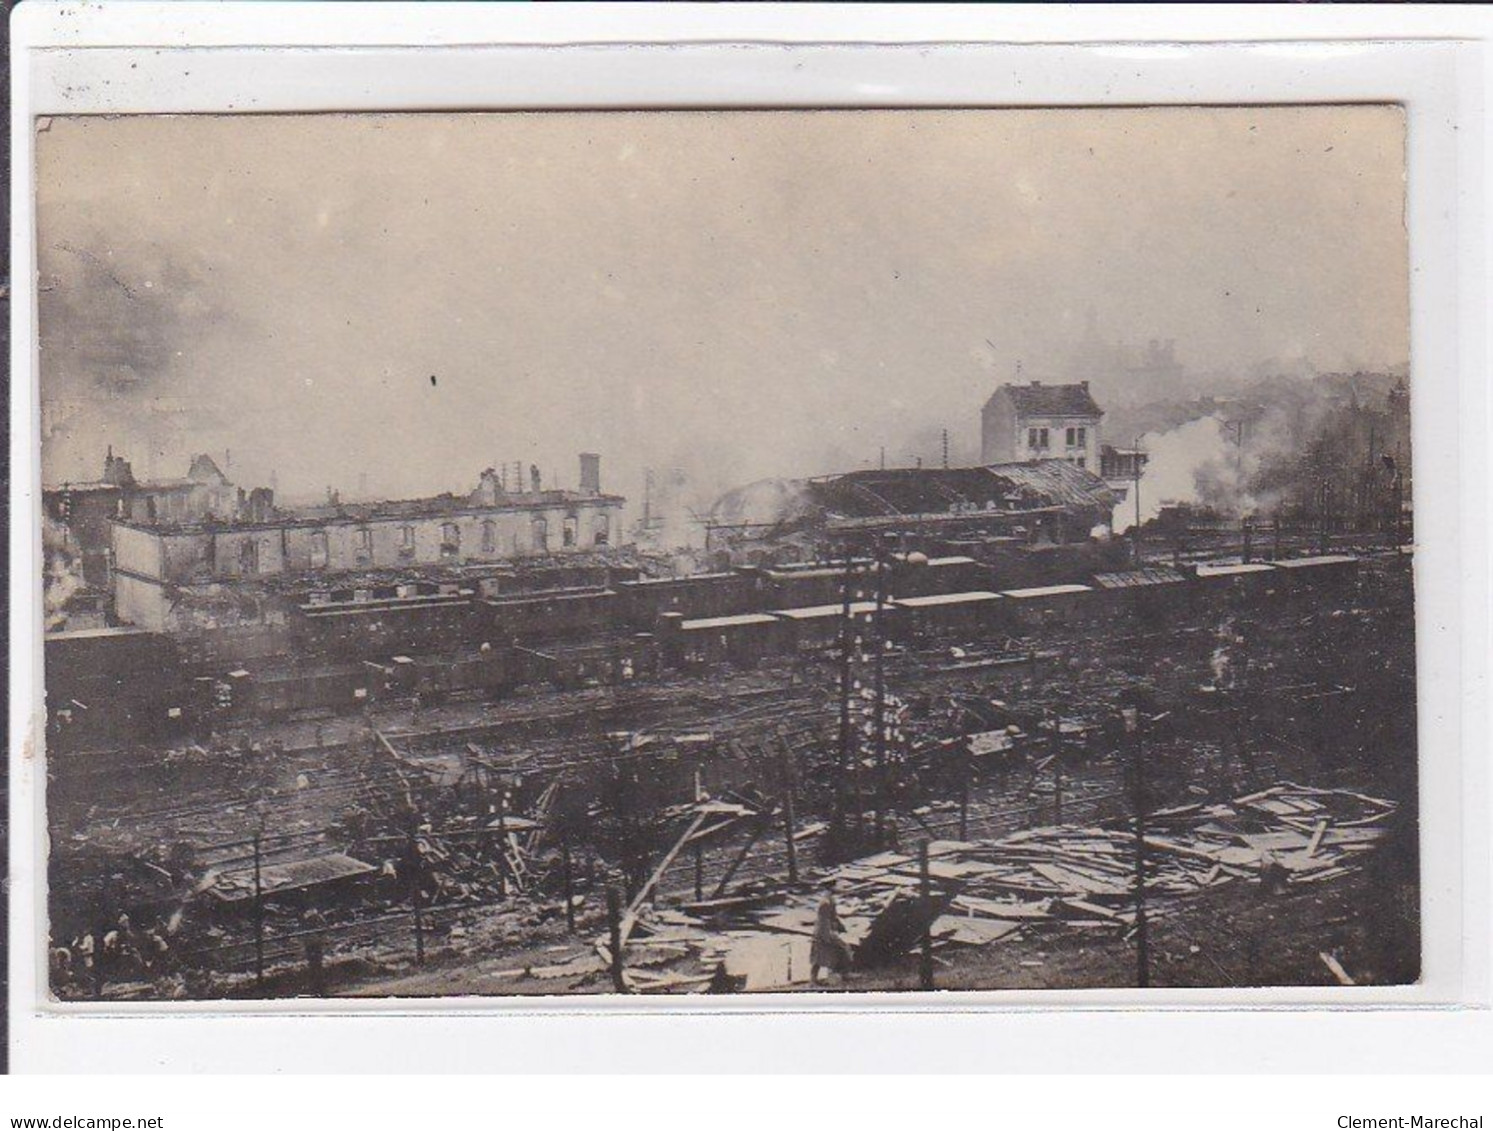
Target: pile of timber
x: 1041, y: 879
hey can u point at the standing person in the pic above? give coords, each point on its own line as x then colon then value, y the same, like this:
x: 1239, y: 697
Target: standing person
x: 829, y: 949
x: 315, y: 925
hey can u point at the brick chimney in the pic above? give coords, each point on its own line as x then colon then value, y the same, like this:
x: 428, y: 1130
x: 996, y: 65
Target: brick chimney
x: 590, y: 473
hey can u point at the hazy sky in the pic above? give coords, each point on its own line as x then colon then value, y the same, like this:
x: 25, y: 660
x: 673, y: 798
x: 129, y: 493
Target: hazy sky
x: 743, y: 293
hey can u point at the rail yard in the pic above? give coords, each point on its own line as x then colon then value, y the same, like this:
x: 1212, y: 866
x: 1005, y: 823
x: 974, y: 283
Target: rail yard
x: 641, y: 789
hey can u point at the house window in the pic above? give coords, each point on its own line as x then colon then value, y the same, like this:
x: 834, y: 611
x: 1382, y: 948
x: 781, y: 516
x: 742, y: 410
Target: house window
x: 320, y: 549
x: 364, y: 545
x: 602, y: 530
x: 406, y: 541
x: 248, y: 556
x: 1036, y: 438
x: 540, y: 535
x: 265, y: 557
x: 489, y: 536
x: 567, y: 532
x: 1083, y: 437
x: 1083, y: 461
x: 450, y: 540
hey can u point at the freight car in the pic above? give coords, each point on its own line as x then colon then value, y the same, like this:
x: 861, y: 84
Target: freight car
x: 942, y: 614
x: 640, y: 603
x: 1047, y: 605
x: 107, y: 686
x: 553, y: 615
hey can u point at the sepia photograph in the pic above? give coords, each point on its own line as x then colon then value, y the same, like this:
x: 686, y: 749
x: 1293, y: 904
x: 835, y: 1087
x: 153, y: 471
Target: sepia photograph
x: 682, y: 552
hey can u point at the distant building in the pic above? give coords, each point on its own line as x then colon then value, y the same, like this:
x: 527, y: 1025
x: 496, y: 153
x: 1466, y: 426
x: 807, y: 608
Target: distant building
x: 158, y: 560
x: 1037, y: 421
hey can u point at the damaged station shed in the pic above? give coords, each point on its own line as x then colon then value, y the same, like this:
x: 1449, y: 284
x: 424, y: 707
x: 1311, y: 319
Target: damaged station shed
x: 942, y: 511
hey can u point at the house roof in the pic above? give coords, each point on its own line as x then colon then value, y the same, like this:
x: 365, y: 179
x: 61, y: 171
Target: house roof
x: 1037, y: 399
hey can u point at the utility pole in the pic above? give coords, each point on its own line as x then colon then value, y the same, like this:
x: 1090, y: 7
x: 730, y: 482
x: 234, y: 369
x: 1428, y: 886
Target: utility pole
x: 788, y: 819
x: 925, y: 892
x: 946, y: 449
x: 847, y: 780
x: 417, y: 893
x: 614, y: 936
x: 258, y: 906
x: 502, y: 838
x: 1132, y: 718
x: 964, y: 774
x: 879, y: 691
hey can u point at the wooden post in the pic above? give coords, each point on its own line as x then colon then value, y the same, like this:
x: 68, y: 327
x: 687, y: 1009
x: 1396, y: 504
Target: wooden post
x: 1142, y: 939
x: 417, y: 896
x: 614, y: 933
x: 878, y: 637
x: 788, y: 820
x: 569, y: 879
x: 757, y: 831
x: 258, y: 911
x: 964, y: 775
x: 699, y: 871
x: 1057, y: 784
x: 846, y: 780
x: 925, y: 892
x: 502, y: 839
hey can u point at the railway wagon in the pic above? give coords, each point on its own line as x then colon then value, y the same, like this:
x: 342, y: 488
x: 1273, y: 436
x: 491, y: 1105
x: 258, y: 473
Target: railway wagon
x: 484, y: 671
x: 971, y: 615
x: 640, y: 603
x: 281, y: 692
x: 817, y: 627
x: 1048, y: 605
x: 106, y: 686
x: 553, y: 615
x: 605, y: 662
x: 387, y: 619
x: 954, y: 573
x: 1149, y: 596
x: 1229, y: 582
x: 1326, y: 574
x: 814, y: 583
x: 743, y: 640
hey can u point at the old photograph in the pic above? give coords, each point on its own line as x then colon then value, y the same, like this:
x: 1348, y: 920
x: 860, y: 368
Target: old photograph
x: 726, y: 552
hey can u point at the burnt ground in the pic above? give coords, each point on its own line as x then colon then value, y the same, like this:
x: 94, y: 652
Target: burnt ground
x: 1325, y: 698
x: 1236, y: 936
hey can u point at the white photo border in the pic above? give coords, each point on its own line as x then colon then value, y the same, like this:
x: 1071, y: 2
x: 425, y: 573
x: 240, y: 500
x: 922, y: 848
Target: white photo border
x: 283, y: 58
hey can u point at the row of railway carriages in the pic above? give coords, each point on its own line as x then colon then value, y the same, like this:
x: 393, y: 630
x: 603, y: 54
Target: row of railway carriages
x: 353, y: 651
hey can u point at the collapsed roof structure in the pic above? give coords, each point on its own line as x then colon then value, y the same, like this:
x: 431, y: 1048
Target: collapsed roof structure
x: 1039, y: 500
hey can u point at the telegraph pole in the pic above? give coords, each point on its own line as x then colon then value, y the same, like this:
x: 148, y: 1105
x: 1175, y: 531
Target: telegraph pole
x: 1132, y: 719
x: 848, y: 777
x: 258, y: 907
x: 879, y: 702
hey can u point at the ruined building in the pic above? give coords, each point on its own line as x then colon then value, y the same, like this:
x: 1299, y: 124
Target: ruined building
x: 169, y: 566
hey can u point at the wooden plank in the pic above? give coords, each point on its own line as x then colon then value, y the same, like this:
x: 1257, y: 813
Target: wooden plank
x: 1336, y: 967
x: 1311, y: 848
x: 646, y: 890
